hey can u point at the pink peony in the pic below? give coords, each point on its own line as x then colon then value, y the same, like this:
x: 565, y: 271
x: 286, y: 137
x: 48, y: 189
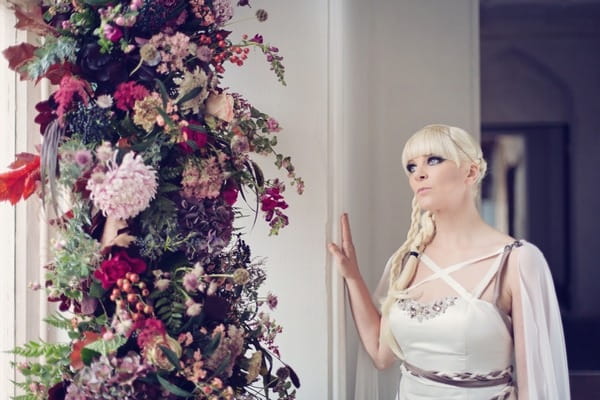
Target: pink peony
x: 124, y: 190
x: 220, y: 105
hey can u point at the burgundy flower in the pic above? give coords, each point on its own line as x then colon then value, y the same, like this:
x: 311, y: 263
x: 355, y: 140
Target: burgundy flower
x: 46, y: 113
x: 114, y: 269
x: 127, y: 93
x: 230, y: 193
x: 200, y: 138
x: 271, y: 200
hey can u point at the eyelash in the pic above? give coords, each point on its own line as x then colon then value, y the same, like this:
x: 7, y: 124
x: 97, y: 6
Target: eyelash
x: 438, y: 160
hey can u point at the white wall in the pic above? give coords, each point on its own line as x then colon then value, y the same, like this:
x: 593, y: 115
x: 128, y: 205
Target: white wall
x: 402, y: 64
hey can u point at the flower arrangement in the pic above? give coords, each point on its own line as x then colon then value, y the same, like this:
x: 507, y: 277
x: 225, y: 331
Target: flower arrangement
x: 149, y: 154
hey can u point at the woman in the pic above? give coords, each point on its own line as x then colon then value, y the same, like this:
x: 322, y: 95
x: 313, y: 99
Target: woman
x: 471, y: 312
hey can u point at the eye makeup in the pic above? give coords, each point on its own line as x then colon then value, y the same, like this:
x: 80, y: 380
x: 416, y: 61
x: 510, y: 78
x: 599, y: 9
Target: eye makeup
x: 431, y: 160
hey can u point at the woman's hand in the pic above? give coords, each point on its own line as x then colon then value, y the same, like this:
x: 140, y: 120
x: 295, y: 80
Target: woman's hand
x: 346, y: 256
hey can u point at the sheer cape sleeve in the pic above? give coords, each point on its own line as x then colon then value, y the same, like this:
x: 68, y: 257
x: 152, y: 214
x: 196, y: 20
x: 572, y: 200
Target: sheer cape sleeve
x: 371, y: 383
x: 540, y: 352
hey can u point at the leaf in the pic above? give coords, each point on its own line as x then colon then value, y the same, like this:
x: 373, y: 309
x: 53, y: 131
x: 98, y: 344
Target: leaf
x: 105, y: 347
x: 190, y: 95
x: 168, y: 187
x: 166, y: 117
x: 31, y: 19
x: 177, y: 391
x: 171, y: 356
x: 96, y: 290
x: 163, y: 91
x: 88, y: 355
x: 18, y: 56
x: 57, y: 71
x: 96, y: 3
x: 293, y: 376
x: 212, y: 345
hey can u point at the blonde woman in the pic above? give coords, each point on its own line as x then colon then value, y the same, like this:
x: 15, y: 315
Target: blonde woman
x: 469, y: 311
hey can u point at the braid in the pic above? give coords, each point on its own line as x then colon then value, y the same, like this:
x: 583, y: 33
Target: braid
x: 404, y: 267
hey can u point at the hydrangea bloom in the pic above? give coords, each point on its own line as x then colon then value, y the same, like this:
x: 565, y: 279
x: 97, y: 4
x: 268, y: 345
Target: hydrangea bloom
x: 124, y: 190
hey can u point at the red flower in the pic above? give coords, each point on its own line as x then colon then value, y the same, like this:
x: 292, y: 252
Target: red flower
x: 22, y: 180
x: 114, y: 269
x: 128, y: 93
x: 200, y: 138
x: 69, y: 87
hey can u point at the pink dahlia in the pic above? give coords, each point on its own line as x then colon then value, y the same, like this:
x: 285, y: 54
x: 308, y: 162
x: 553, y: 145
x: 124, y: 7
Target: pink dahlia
x: 124, y: 190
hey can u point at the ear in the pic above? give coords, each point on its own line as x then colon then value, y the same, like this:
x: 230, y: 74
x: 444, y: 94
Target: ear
x: 472, y: 174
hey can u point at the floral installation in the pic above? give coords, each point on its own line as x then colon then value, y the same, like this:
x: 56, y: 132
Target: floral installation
x: 150, y: 154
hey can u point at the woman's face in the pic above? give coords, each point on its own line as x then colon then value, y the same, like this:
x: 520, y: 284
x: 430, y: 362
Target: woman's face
x: 439, y: 184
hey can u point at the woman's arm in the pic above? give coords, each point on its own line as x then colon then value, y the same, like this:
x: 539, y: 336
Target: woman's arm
x: 366, y: 315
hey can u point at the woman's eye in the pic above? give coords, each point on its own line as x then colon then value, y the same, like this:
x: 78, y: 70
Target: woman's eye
x: 411, y: 168
x: 433, y: 160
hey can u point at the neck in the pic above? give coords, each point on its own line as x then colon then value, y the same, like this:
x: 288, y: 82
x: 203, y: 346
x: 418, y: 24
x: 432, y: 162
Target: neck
x: 458, y: 228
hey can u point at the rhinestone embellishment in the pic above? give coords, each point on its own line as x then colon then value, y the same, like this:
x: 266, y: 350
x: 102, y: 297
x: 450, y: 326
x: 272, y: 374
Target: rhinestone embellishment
x: 422, y: 311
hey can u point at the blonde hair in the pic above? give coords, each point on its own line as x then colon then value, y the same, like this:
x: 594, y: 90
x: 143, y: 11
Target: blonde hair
x: 453, y: 144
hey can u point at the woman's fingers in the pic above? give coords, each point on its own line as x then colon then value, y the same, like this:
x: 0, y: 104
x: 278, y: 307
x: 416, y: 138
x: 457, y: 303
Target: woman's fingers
x: 346, y: 234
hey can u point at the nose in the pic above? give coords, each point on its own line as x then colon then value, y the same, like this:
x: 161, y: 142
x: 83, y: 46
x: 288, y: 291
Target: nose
x: 421, y: 173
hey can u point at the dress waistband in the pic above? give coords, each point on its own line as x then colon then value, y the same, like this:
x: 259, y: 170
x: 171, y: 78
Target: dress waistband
x: 463, y: 379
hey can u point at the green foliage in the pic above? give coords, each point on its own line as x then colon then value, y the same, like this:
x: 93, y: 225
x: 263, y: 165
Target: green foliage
x: 47, y: 372
x: 55, y: 50
x: 58, y: 321
x: 170, y: 309
x: 78, y: 255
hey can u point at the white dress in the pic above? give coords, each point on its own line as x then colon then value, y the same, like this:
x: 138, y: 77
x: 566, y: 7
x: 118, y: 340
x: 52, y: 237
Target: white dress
x: 458, y: 346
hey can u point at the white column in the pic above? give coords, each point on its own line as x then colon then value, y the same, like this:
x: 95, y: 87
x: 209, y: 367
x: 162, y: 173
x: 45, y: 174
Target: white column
x: 407, y: 63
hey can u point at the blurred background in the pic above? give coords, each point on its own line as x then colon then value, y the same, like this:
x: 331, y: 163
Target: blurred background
x: 540, y: 114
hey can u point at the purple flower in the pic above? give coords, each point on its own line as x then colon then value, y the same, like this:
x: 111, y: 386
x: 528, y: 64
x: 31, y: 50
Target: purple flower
x: 272, y: 301
x: 257, y: 39
x: 83, y: 158
x: 273, y: 125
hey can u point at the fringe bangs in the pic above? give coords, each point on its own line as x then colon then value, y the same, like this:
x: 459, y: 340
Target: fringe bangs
x: 433, y: 139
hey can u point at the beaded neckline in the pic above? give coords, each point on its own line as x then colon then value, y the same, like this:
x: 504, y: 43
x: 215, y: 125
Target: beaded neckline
x: 424, y: 311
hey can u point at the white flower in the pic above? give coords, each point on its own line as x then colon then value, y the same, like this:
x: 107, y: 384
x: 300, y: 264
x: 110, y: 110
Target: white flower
x: 126, y: 189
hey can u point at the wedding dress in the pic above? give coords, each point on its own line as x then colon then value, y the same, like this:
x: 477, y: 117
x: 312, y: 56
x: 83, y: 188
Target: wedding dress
x: 456, y: 345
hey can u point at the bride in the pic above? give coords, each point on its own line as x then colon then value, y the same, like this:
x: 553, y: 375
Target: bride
x: 470, y: 312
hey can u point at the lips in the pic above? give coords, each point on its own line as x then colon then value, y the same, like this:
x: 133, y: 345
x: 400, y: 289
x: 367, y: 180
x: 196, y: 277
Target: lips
x: 423, y: 189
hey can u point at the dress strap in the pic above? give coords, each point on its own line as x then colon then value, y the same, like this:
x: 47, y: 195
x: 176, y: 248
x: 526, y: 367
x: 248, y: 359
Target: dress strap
x: 485, y: 281
x: 503, y: 263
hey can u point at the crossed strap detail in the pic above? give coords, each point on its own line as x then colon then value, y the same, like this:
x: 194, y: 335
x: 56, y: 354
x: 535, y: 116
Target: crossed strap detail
x: 495, y: 270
